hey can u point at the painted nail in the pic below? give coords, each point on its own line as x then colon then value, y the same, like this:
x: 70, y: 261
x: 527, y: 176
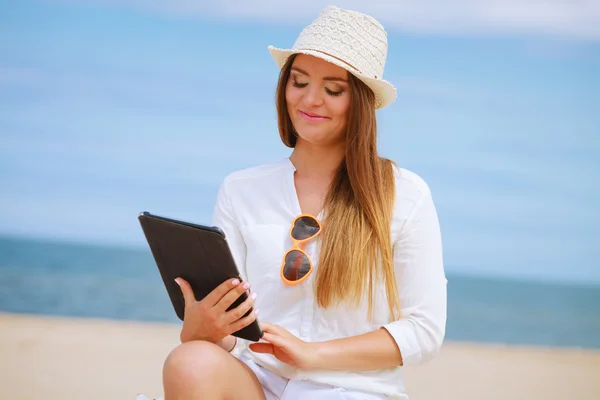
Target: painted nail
x: 235, y: 282
x: 177, y: 282
x: 246, y: 285
x: 256, y: 311
x: 253, y: 296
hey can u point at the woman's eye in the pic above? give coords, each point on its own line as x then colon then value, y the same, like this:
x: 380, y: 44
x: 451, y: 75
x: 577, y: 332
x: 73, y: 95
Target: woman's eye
x: 333, y: 93
x: 298, y: 84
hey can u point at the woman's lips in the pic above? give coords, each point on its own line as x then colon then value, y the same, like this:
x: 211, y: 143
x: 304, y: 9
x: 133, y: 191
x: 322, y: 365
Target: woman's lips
x: 312, y: 117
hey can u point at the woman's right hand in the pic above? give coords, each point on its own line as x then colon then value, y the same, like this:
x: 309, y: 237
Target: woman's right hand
x: 208, y: 319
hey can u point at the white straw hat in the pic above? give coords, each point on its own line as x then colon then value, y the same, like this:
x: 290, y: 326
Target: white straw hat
x: 348, y: 39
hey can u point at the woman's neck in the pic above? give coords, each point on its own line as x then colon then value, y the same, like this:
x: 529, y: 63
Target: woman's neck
x: 317, y: 161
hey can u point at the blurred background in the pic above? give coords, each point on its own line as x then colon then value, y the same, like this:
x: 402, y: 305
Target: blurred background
x: 109, y: 108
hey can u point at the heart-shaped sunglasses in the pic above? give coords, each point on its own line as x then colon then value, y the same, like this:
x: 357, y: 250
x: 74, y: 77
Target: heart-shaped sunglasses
x: 296, y: 265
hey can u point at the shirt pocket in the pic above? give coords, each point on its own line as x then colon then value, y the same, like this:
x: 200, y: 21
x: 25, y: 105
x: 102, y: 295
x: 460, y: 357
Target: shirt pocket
x: 265, y: 248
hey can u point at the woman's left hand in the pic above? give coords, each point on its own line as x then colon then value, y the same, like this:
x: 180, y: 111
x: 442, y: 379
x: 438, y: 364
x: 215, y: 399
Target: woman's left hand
x: 286, y: 347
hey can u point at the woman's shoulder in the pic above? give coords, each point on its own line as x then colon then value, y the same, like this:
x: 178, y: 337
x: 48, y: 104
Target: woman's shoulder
x: 411, y: 192
x: 409, y: 183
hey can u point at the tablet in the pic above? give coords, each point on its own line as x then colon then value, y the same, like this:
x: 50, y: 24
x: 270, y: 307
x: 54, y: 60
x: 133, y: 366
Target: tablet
x: 200, y: 255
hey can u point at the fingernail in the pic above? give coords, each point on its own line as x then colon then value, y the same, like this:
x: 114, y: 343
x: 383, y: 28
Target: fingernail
x: 177, y: 282
x: 256, y: 311
x: 253, y: 296
x: 235, y: 282
x: 246, y: 285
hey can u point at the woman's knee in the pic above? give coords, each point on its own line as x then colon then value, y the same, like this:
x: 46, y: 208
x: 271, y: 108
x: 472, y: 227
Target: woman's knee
x: 194, y: 361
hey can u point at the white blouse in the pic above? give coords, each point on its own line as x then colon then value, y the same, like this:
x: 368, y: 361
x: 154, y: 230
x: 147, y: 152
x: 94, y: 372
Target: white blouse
x: 255, y: 208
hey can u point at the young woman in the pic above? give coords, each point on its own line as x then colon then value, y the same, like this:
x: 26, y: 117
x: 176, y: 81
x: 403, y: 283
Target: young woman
x: 341, y: 246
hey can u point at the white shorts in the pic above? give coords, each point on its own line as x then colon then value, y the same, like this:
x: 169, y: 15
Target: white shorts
x: 278, y: 388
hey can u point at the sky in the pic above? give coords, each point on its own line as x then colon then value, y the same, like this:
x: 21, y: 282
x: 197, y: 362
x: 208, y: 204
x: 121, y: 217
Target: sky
x: 109, y: 108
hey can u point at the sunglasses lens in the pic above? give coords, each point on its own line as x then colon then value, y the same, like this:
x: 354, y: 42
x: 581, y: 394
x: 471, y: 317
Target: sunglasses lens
x: 296, y: 266
x: 305, y: 227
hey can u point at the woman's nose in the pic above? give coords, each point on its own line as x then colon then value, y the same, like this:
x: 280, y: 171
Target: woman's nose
x: 313, y: 96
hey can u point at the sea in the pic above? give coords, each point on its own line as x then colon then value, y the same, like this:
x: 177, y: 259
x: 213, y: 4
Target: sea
x: 78, y: 280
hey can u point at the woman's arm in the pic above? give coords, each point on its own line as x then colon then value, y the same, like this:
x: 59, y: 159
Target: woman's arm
x: 370, y: 351
x: 421, y: 282
x: 417, y: 336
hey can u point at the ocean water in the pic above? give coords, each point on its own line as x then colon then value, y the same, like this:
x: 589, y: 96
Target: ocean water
x: 44, y: 277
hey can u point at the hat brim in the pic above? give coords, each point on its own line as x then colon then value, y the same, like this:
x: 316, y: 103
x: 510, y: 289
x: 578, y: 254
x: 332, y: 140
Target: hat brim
x: 385, y: 92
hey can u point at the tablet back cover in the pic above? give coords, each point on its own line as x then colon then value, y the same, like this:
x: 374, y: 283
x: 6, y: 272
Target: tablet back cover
x: 196, y: 253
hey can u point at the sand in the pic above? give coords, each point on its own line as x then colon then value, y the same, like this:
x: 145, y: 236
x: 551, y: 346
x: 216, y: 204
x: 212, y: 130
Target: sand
x: 68, y: 358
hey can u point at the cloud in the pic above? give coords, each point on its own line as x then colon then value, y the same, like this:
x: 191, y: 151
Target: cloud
x: 579, y: 19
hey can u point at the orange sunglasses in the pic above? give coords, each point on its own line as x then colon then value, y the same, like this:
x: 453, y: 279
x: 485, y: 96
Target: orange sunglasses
x: 296, y: 265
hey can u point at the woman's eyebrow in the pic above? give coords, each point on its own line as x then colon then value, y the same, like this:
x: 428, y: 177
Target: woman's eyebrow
x: 327, y: 78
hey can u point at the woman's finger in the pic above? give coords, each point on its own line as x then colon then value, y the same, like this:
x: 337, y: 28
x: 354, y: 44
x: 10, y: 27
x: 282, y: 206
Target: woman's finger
x: 272, y: 328
x: 231, y: 296
x: 274, y: 339
x: 186, y: 289
x: 241, y: 310
x: 262, y: 348
x: 217, y: 294
x: 244, y: 322
x: 266, y: 326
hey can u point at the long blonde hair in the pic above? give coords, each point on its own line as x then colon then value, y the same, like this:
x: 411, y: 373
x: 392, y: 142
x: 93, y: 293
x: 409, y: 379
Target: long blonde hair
x: 356, y: 250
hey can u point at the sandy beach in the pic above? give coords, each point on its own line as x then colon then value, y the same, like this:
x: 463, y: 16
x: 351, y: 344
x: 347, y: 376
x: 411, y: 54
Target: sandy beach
x: 68, y: 358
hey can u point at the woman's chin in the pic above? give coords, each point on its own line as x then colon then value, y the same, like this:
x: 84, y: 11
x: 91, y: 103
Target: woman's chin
x: 318, y: 137
x: 315, y: 140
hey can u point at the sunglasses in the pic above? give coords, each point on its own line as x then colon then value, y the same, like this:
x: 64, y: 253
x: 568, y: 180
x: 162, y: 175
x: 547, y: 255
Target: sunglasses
x: 296, y: 265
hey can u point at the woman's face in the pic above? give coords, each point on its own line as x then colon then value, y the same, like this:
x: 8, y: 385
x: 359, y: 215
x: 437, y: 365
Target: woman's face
x: 318, y: 99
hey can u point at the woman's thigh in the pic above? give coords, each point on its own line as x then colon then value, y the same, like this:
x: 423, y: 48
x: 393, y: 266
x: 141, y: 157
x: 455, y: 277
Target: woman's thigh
x: 203, y: 370
x: 244, y: 383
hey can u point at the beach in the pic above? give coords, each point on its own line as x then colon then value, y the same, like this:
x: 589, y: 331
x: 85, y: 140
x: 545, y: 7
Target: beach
x: 43, y: 357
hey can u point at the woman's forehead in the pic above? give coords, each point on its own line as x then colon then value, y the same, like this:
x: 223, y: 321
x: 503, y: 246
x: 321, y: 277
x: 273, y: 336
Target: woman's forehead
x: 317, y: 66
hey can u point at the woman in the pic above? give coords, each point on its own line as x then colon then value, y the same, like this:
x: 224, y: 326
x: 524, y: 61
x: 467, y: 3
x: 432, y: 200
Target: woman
x: 342, y: 247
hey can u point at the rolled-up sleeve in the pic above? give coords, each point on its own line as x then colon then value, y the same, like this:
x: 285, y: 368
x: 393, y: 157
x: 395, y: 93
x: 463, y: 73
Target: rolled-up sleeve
x: 421, y: 282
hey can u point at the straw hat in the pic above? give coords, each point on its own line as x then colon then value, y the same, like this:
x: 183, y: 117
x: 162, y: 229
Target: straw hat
x: 348, y: 39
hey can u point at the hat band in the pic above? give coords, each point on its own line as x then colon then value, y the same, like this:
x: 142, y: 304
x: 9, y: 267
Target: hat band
x: 337, y: 58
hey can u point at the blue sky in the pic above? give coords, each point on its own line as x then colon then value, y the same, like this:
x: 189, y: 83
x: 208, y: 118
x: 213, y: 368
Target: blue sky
x: 109, y: 108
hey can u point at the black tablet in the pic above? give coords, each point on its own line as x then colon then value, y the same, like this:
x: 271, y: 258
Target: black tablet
x: 200, y: 255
